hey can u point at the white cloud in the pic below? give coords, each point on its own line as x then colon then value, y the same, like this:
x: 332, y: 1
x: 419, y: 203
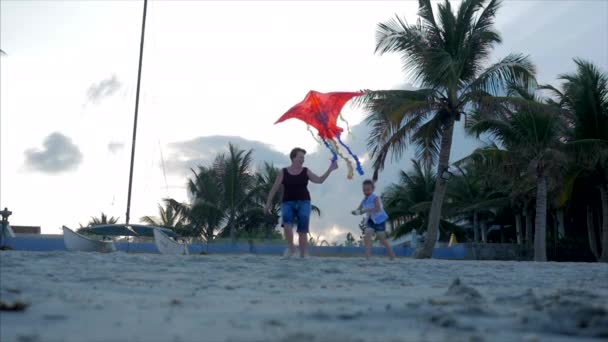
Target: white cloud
x: 104, y: 88
x: 58, y: 154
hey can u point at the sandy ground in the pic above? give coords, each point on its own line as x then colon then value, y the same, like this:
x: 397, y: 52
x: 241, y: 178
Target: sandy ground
x: 148, y: 297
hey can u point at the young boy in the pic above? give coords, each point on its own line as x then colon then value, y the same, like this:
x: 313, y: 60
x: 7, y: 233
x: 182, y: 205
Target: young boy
x: 376, y: 219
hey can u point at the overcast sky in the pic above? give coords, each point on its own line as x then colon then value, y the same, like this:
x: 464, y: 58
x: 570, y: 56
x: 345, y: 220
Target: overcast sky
x: 213, y: 72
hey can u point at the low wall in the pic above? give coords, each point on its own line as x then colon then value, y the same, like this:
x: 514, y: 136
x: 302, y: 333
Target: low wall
x: 497, y: 251
x: 466, y: 251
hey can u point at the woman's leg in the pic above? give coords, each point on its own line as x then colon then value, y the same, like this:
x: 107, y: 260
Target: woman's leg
x: 303, y: 213
x: 369, y: 232
x: 303, y: 240
x: 287, y: 215
x: 288, y: 230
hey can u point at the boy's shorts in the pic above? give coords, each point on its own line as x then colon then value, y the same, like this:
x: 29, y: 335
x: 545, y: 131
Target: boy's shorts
x: 296, y: 211
x: 377, y: 227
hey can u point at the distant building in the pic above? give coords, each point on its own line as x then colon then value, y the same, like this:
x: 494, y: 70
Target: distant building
x: 26, y: 229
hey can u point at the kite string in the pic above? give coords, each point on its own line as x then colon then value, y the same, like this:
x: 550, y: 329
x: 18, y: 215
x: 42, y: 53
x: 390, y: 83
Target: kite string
x: 359, y: 167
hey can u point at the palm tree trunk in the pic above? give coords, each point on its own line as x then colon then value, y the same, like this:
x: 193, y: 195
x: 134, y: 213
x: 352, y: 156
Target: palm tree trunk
x: 561, y: 223
x: 476, y: 226
x: 518, y: 229
x: 591, y: 232
x: 540, y: 231
x: 604, y: 193
x: 232, y: 229
x: 441, y: 186
x: 529, y: 227
x: 484, y: 231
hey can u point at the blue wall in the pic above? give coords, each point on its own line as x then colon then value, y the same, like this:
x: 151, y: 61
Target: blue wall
x: 50, y: 244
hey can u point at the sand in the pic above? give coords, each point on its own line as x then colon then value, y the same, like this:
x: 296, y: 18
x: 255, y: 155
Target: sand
x: 149, y: 297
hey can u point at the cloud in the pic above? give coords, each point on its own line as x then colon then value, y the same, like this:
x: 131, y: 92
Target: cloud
x: 103, y: 89
x: 114, y: 147
x: 58, y: 154
x: 189, y: 154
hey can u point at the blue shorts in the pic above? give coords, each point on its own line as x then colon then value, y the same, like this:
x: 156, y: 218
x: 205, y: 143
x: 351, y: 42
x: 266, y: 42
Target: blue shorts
x: 296, y: 211
x: 378, y: 227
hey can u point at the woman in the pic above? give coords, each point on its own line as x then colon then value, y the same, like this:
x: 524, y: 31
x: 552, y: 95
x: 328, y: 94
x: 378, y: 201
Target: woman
x: 296, y: 198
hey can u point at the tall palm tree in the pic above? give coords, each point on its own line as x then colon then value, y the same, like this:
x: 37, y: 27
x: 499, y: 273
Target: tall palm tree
x: 530, y: 131
x: 585, y: 97
x: 445, y: 57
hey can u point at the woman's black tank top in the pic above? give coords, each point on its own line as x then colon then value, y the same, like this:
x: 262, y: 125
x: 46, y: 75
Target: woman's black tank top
x: 294, y: 187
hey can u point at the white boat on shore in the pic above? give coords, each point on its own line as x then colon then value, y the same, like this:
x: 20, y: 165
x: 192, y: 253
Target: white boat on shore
x: 168, y: 245
x: 79, y: 243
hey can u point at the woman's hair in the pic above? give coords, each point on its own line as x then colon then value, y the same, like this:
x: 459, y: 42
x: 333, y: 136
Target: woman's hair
x: 295, y: 151
x: 369, y: 182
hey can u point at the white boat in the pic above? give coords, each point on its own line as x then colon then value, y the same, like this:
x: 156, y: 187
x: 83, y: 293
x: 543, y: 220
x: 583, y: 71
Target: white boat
x: 167, y: 245
x: 79, y: 243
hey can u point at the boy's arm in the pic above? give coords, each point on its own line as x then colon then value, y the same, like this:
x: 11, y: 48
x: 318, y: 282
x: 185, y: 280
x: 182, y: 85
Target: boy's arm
x: 359, y: 210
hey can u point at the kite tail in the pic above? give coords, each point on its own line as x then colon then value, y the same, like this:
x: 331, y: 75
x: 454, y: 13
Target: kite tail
x: 334, y: 153
x: 349, y: 164
x: 347, y: 125
x: 359, y: 167
x: 313, y: 134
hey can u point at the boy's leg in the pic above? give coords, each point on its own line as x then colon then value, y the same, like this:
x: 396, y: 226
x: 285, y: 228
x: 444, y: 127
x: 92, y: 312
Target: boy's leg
x: 369, y: 232
x: 384, y: 242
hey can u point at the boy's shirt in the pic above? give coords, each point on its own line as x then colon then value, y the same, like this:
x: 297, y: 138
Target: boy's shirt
x: 370, y: 203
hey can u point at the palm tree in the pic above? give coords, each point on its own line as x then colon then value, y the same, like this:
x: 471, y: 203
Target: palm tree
x: 505, y: 185
x: 585, y: 97
x: 103, y: 219
x: 204, y: 215
x: 237, y: 182
x: 408, y: 202
x: 530, y: 131
x: 473, y: 196
x: 264, y: 182
x: 445, y: 57
x: 169, y: 217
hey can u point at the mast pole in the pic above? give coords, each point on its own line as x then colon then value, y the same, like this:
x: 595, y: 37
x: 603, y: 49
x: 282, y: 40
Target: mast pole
x: 141, y: 51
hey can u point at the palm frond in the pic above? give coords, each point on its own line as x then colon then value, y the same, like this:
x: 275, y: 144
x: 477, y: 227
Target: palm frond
x: 513, y: 69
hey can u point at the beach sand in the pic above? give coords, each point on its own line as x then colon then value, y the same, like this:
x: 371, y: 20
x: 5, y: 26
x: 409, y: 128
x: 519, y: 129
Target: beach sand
x: 149, y: 297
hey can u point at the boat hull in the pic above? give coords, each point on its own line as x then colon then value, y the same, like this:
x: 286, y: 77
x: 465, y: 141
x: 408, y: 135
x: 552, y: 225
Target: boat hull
x: 79, y: 243
x: 166, y: 245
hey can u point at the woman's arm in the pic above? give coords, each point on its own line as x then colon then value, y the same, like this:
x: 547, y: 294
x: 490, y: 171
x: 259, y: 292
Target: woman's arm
x: 275, y: 187
x: 319, y: 180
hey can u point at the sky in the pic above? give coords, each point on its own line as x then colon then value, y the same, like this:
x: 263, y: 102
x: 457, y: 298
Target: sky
x: 213, y: 73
